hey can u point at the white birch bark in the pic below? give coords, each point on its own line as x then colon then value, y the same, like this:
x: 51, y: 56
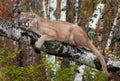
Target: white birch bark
x: 115, y: 50
x: 76, y: 11
x: 92, y: 24
x: 78, y: 76
x: 96, y: 15
x: 111, y: 32
x: 63, y: 10
x: 51, y: 9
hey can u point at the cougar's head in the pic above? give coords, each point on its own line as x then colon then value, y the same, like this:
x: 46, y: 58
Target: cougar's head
x: 26, y: 20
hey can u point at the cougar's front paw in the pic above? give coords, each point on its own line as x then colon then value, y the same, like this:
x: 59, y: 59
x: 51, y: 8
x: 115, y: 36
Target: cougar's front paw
x: 36, y: 50
x: 37, y: 45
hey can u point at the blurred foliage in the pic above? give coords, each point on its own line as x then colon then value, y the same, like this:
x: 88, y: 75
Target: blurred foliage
x: 9, y: 71
x: 65, y: 74
x: 35, y: 72
x: 93, y: 75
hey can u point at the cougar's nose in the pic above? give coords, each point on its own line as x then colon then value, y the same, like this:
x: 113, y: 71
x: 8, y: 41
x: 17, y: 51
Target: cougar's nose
x: 27, y: 19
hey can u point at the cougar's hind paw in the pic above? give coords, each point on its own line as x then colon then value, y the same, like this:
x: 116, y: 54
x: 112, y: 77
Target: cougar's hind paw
x: 37, y: 51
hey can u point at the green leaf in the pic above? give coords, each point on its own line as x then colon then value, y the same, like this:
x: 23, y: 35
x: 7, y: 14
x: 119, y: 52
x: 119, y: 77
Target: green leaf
x: 2, y: 59
x: 1, y: 51
x: 17, y: 51
x: 11, y: 55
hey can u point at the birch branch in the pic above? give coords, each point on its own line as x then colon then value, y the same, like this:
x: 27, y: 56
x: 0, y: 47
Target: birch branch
x: 60, y: 49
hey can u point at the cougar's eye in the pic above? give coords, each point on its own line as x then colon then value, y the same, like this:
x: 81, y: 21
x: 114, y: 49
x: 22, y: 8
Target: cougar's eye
x: 26, y: 24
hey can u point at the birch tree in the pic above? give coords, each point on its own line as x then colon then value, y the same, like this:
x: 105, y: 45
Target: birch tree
x: 63, y: 10
x: 52, y: 4
x: 91, y: 24
x: 112, y: 32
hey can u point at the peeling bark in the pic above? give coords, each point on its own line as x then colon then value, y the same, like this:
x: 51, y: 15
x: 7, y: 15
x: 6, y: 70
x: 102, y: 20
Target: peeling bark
x: 60, y: 49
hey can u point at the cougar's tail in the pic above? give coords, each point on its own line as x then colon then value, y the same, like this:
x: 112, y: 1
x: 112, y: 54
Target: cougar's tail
x: 100, y: 57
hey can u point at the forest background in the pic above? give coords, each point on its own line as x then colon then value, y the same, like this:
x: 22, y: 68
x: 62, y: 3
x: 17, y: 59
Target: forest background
x: 19, y: 62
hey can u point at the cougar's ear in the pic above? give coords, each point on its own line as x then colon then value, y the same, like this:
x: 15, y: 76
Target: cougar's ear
x: 33, y: 15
